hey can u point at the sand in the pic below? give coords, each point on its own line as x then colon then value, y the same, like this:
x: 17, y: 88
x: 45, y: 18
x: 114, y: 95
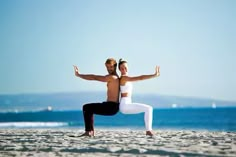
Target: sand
x: 115, y: 142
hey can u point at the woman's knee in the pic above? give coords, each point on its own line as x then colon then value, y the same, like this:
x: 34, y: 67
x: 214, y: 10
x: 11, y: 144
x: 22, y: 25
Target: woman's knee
x: 149, y: 108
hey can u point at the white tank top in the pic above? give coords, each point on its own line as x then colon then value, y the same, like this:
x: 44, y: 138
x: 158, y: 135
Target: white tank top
x: 127, y: 88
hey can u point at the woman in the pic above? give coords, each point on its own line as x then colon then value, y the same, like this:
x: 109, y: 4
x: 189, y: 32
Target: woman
x: 126, y: 105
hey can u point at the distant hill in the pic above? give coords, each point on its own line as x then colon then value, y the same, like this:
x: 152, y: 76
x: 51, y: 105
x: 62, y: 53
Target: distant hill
x: 75, y: 101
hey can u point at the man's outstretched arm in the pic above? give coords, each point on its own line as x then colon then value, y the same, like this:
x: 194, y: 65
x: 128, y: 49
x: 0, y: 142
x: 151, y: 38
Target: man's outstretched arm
x: 89, y: 76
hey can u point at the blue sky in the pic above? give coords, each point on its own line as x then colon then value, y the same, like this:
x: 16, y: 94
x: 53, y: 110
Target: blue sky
x: 192, y: 41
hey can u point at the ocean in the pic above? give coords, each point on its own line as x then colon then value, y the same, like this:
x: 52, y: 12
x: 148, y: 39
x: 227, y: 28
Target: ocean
x: 211, y: 119
x: 63, y: 110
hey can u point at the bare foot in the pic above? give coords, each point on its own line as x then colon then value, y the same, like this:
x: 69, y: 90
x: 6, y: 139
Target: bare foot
x: 92, y: 133
x: 87, y: 133
x: 149, y: 133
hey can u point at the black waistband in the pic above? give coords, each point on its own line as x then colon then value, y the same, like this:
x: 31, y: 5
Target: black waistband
x: 111, y: 102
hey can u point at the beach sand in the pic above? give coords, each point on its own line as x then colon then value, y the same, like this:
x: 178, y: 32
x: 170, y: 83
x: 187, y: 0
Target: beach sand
x: 115, y: 142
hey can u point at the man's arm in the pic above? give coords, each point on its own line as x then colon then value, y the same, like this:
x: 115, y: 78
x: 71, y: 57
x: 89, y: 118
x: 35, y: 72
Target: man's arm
x: 90, y: 76
x: 144, y: 77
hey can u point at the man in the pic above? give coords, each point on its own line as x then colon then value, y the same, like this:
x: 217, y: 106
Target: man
x: 111, y: 105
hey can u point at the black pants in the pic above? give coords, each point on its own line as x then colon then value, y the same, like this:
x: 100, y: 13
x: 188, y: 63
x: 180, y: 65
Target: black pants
x: 105, y: 108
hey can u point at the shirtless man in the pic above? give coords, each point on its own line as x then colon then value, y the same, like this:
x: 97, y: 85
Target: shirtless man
x: 111, y: 105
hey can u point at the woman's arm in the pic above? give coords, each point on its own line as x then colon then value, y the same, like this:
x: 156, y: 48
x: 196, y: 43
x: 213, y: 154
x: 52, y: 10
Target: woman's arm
x: 144, y: 77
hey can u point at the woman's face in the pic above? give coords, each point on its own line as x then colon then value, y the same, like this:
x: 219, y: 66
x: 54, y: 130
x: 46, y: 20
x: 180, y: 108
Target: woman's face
x: 124, y: 69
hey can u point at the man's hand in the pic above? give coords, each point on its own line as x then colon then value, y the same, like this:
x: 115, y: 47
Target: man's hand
x: 89, y: 76
x: 76, y: 70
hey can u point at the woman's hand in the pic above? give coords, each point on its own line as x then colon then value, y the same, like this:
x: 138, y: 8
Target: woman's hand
x: 157, y: 72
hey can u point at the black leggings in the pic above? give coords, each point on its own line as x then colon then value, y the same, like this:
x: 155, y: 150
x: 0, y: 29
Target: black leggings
x: 105, y: 108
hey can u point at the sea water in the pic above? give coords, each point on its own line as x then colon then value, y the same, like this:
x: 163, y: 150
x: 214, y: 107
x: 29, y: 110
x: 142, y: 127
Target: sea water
x: 212, y: 119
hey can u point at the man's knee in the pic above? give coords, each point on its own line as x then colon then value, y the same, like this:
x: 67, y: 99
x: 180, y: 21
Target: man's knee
x: 85, y: 107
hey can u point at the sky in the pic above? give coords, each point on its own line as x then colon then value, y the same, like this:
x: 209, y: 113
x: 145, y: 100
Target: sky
x: 193, y: 42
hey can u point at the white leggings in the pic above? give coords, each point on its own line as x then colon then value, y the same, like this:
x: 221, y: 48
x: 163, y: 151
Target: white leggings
x: 127, y: 107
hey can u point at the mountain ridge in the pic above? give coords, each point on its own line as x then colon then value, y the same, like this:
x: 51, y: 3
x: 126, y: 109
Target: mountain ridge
x: 75, y: 101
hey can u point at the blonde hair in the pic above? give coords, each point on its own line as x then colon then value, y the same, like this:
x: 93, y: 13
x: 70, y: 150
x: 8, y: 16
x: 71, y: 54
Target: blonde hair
x: 111, y: 61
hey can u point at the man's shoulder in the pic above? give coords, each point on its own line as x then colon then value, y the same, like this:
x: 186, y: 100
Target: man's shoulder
x: 114, y: 77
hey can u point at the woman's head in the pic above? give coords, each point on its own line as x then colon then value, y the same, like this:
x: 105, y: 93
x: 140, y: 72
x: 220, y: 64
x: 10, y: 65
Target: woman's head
x: 123, y: 66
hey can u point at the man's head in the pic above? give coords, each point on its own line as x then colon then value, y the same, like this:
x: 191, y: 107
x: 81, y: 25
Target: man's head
x: 111, y: 66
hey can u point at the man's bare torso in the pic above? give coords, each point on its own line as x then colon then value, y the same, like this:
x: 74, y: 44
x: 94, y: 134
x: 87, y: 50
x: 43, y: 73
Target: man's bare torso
x: 113, y: 89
